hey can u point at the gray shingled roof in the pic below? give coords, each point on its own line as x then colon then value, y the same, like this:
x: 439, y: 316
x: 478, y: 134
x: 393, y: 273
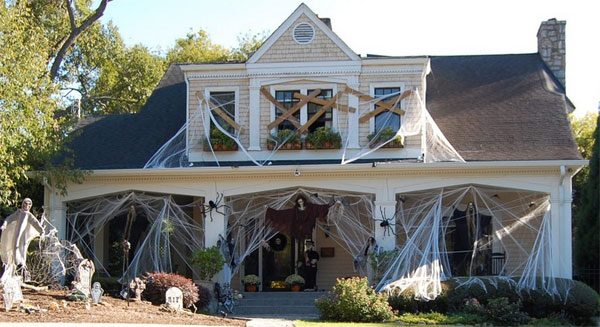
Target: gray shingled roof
x: 501, y: 107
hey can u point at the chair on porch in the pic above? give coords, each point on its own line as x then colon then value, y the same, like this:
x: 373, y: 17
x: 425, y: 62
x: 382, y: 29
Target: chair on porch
x: 498, y: 260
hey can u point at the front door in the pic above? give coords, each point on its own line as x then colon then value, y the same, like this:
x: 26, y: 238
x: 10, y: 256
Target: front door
x: 278, y: 262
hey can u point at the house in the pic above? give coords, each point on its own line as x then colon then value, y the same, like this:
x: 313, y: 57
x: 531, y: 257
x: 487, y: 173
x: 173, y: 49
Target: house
x: 461, y: 163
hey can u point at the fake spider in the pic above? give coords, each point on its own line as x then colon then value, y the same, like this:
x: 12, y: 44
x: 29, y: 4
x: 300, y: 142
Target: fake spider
x: 214, y: 206
x: 386, y: 223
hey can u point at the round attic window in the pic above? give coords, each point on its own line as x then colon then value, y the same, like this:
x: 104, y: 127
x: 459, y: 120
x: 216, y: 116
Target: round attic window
x: 304, y: 33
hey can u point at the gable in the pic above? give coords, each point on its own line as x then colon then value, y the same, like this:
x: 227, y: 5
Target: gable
x: 322, y: 44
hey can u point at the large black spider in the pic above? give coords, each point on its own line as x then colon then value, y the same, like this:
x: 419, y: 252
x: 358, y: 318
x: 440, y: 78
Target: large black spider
x: 214, y: 206
x: 386, y: 223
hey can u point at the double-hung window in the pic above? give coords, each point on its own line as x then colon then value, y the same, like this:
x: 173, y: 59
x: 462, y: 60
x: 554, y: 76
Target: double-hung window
x: 287, y: 99
x: 312, y: 108
x: 387, y: 118
x: 224, y: 100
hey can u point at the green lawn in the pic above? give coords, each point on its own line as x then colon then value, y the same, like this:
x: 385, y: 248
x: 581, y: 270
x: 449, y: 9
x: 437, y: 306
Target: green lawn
x: 305, y: 323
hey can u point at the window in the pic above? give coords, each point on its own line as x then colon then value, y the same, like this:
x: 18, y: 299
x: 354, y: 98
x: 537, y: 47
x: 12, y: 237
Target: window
x: 387, y: 118
x: 312, y: 108
x: 287, y: 99
x: 226, y: 102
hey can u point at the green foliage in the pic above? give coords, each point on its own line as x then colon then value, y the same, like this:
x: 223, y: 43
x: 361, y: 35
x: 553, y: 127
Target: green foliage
x: 587, y: 230
x: 352, y: 300
x: 285, y: 135
x: 248, y: 44
x: 323, y: 136
x: 294, y: 280
x: 197, y: 47
x: 406, y: 301
x: 384, y: 135
x: 218, y: 138
x: 158, y: 283
x: 436, y: 318
x: 209, y: 262
x: 251, y: 280
x: 504, y: 312
x: 380, y: 262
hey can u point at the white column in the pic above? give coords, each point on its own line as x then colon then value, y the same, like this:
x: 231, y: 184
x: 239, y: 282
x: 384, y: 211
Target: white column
x: 566, y: 246
x: 560, y: 231
x: 254, y: 123
x: 56, y: 211
x: 214, y: 223
x: 385, y: 236
x: 353, y: 125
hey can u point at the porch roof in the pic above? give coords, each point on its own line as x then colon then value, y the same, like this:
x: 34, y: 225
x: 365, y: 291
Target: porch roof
x: 490, y: 107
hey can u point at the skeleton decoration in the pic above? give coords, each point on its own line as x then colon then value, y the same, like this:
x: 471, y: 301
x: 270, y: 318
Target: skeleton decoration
x: 136, y: 287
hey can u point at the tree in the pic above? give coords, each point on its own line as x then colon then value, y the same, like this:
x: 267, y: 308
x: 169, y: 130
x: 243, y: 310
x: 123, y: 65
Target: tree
x: 247, y: 44
x: 583, y: 129
x: 587, y: 233
x: 197, y: 47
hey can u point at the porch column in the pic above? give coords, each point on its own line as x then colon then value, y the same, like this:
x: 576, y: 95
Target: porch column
x: 254, y: 124
x: 560, y: 231
x: 214, y: 223
x: 566, y: 246
x: 56, y: 211
x: 385, y: 236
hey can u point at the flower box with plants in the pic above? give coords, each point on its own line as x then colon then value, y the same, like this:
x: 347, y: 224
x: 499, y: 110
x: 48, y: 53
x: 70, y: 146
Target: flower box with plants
x: 294, y: 282
x: 251, y: 283
x: 323, y: 138
x: 220, y: 142
x: 287, y: 138
x: 383, y: 136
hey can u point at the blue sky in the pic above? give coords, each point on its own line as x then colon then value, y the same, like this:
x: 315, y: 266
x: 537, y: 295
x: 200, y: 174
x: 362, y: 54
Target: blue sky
x: 404, y: 28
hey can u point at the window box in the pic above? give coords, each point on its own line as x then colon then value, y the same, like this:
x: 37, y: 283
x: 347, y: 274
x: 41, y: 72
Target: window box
x: 220, y: 142
x: 288, y: 139
x: 384, y: 135
x: 323, y: 138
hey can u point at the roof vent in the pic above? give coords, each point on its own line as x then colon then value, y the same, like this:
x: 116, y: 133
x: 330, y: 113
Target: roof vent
x: 304, y: 33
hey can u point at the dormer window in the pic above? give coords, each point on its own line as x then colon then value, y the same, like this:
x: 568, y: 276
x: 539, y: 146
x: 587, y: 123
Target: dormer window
x: 313, y: 108
x: 287, y: 99
x: 225, y: 101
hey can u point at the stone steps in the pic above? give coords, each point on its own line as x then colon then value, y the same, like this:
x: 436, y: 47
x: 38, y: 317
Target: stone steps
x: 278, y: 304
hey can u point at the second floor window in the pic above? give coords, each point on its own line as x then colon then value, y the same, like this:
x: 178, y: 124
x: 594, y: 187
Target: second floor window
x: 226, y: 102
x: 288, y: 100
x: 387, y: 118
x: 312, y: 108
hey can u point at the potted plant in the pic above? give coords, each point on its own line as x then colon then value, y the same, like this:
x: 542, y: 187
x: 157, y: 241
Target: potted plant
x: 294, y: 282
x: 220, y: 142
x: 208, y: 261
x: 323, y: 138
x: 287, y: 138
x: 384, y: 135
x: 251, y: 283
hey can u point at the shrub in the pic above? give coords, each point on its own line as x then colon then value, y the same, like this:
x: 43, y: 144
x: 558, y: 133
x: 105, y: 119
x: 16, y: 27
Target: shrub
x: 503, y: 312
x: 441, y: 319
x: 406, y: 301
x: 204, y: 297
x: 352, y: 300
x: 582, y: 303
x: 158, y: 283
x: 209, y: 262
x: 294, y: 280
x: 324, y: 135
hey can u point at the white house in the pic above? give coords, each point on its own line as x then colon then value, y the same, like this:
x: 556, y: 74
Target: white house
x: 474, y: 179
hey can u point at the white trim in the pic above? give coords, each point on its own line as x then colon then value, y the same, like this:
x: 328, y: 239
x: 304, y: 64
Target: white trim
x: 302, y: 9
x: 187, y: 115
x: 394, y: 61
x: 206, y: 67
x: 372, y: 87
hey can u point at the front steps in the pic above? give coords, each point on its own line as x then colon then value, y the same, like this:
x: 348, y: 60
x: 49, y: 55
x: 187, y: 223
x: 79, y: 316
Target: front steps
x: 289, y: 305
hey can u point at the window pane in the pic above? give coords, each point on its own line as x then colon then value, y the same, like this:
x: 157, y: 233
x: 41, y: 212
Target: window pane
x: 387, y: 118
x: 313, y: 108
x: 226, y: 102
x: 288, y: 100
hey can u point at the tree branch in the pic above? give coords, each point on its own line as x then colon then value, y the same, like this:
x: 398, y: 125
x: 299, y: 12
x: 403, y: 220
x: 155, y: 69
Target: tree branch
x: 75, y: 32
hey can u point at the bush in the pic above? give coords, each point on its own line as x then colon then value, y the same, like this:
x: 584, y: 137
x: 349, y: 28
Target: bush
x: 406, y: 301
x: 204, y: 297
x: 352, y: 300
x: 436, y: 318
x: 582, y: 304
x: 503, y: 312
x: 209, y: 262
x: 158, y: 283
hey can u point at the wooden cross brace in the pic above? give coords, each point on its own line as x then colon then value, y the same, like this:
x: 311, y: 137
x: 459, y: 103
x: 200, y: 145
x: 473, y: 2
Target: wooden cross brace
x: 288, y: 113
x: 389, y: 104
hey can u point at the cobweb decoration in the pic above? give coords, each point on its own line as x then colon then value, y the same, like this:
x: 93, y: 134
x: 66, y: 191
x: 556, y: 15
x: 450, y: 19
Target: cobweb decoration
x: 349, y: 221
x: 417, y: 126
x: 171, y: 231
x: 470, y: 231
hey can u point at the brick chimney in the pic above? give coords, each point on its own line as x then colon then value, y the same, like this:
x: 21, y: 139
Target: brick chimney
x: 551, y: 46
